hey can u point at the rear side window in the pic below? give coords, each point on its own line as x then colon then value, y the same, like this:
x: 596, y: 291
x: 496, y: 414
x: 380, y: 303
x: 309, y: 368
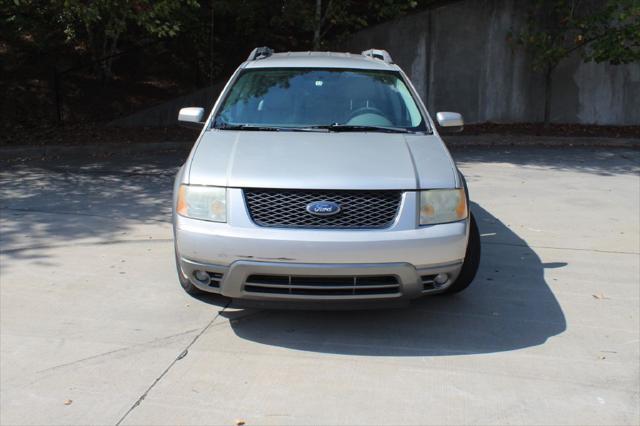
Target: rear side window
x: 301, y: 97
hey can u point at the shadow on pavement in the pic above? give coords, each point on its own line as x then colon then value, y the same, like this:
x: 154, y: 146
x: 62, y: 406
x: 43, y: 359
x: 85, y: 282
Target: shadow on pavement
x: 49, y: 203
x: 598, y: 161
x: 509, y: 306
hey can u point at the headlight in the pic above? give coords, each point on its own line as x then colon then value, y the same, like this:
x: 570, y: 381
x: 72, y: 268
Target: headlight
x: 202, y: 202
x: 442, y: 206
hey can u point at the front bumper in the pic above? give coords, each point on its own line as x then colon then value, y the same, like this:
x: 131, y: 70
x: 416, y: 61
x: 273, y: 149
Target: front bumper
x: 233, y: 252
x: 331, y: 282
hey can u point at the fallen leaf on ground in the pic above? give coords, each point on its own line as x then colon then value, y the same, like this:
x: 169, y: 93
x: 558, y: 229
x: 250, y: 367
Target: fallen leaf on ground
x: 239, y: 422
x: 68, y: 401
x: 599, y: 296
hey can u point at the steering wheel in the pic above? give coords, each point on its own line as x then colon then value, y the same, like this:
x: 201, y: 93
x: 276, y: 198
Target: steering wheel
x: 366, y: 110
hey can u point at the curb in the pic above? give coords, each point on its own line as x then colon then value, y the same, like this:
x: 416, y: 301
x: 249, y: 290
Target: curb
x: 494, y: 140
x: 92, y: 150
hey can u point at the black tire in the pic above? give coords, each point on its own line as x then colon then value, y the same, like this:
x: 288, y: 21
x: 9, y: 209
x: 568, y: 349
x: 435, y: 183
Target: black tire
x: 471, y: 261
x: 185, y: 283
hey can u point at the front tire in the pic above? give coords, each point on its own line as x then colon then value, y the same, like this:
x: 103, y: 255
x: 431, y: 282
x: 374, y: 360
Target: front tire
x: 471, y: 261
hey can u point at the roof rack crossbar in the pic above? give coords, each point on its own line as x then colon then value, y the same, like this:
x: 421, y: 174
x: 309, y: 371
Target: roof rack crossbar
x: 260, y: 53
x: 380, y: 54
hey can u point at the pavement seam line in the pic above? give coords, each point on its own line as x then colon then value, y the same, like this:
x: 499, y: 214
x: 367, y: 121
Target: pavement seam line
x: 181, y: 355
x: 559, y: 248
x: 126, y: 348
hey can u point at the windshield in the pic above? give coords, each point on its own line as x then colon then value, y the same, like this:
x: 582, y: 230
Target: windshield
x: 302, y: 98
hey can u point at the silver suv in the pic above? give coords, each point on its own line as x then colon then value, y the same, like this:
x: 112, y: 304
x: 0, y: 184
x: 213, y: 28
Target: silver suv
x: 320, y: 176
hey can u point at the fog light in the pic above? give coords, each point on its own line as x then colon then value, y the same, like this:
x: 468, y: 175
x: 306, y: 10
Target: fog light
x: 441, y: 279
x: 202, y: 276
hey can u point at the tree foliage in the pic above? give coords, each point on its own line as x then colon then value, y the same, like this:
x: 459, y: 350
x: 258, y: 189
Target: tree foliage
x: 318, y: 18
x: 98, y: 25
x: 102, y: 27
x: 607, y: 31
x: 601, y: 31
x: 613, y: 35
x: 137, y: 51
x: 101, y: 23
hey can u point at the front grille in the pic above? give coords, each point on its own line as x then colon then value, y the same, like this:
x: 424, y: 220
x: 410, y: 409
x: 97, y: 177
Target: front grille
x: 287, y: 208
x: 323, y: 285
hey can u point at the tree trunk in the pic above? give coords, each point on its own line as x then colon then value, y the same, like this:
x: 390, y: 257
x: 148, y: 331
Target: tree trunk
x: 93, y: 48
x: 103, y: 47
x: 547, y: 96
x: 107, y: 63
x: 318, y: 24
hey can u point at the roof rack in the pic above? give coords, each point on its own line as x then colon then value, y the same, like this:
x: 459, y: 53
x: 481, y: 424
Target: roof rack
x: 260, y: 53
x: 380, y: 54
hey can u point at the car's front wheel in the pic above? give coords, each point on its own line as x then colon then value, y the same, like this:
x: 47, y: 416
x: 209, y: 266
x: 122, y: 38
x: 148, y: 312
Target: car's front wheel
x: 471, y: 261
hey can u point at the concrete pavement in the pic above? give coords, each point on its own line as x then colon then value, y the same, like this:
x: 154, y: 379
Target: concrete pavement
x: 91, y: 310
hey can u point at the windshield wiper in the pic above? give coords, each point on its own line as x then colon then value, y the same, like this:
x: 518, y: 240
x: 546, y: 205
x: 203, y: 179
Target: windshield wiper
x: 335, y: 127
x: 246, y: 127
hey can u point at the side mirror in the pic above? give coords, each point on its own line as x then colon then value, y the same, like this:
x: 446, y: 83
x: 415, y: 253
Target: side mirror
x: 191, y: 115
x: 450, y: 121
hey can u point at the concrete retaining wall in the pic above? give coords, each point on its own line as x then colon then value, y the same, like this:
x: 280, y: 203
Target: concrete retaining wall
x: 459, y: 60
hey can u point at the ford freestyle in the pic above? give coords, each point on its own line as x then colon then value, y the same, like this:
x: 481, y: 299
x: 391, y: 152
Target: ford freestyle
x: 321, y: 177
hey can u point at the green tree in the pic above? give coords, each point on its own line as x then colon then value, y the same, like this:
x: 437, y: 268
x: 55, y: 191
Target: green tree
x: 101, y: 23
x: 602, y: 31
x: 319, y: 18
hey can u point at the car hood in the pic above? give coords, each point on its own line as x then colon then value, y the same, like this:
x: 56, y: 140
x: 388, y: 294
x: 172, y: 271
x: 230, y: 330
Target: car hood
x: 321, y: 160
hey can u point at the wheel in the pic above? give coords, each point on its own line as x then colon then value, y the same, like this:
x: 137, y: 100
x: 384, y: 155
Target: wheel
x: 471, y: 261
x: 184, y: 282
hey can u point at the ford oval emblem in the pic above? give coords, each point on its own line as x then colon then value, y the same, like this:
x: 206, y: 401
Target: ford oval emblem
x: 323, y: 208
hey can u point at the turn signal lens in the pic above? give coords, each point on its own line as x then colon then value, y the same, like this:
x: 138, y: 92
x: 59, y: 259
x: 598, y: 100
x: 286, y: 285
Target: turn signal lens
x: 442, y: 206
